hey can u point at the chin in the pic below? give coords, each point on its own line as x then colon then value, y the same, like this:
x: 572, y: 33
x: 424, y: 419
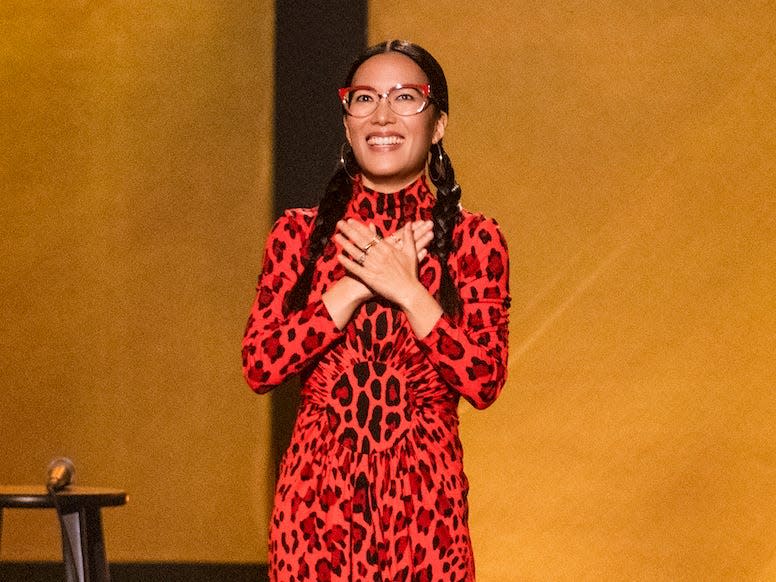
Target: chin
x: 384, y: 176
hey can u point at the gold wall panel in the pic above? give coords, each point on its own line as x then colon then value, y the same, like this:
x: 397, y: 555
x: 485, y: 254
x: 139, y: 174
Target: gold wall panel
x: 135, y: 170
x: 628, y: 151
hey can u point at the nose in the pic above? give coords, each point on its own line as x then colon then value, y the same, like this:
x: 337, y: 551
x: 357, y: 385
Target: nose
x: 383, y: 113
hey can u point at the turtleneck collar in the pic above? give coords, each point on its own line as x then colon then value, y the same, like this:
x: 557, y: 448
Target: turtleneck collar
x: 413, y: 202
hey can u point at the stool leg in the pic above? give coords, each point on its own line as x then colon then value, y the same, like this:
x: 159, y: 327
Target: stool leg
x: 72, y: 553
x: 94, y: 545
x: 84, y: 528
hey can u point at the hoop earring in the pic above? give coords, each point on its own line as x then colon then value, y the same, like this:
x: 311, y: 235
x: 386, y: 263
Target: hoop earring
x: 436, y: 166
x: 345, y: 152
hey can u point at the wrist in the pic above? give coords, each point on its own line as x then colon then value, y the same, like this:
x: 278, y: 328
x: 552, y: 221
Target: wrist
x: 422, y: 310
x: 355, y: 290
x: 343, y: 298
x: 418, y: 300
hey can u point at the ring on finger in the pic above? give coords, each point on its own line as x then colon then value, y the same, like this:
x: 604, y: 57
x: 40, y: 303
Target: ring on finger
x: 361, y: 258
x: 371, y: 243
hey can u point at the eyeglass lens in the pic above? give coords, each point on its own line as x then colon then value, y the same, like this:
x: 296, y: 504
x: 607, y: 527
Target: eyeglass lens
x: 401, y: 100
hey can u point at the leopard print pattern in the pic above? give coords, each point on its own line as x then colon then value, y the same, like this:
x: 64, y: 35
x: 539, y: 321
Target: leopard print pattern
x: 372, y: 485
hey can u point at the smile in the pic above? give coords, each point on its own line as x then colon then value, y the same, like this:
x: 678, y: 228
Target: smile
x: 384, y: 140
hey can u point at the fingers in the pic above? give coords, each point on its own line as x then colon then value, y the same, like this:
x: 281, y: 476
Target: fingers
x: 360, y: 233
x: 358, y: 239
x: 357, y: 233
x: 421, y: 227
x: 401, y: 240
x: 423, y: 233
x: 352, y: 266
x: 423, y: 241
x: 350, y: 249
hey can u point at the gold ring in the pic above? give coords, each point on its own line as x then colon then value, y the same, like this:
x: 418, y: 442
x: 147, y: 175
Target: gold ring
x: 371, y: 243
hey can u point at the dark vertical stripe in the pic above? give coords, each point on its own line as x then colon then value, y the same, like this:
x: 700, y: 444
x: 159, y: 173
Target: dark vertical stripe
x: 315, y: 42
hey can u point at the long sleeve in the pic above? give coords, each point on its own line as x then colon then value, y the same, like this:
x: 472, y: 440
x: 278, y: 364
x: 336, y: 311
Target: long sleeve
x: 471, y: 355
x: 277, y: 345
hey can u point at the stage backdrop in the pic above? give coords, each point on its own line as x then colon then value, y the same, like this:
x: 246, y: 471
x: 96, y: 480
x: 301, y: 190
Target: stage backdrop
x: 628, y: 151
x: 135, y: 170
x: 629, y: 155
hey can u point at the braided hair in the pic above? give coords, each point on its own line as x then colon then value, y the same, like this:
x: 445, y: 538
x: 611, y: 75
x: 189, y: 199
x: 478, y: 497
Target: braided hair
x: 339, y: 191
x: 445, y: 214
x: 330, y: 210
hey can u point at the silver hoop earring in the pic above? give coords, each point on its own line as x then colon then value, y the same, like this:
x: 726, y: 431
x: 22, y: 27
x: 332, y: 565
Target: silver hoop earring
x: 436, y: 166
x: 345, y: 152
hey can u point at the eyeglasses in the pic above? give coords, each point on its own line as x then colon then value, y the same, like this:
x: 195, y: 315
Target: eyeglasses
x: 361, y: 101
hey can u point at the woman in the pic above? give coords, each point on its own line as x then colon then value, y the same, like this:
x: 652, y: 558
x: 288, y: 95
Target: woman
x: 391, y: 302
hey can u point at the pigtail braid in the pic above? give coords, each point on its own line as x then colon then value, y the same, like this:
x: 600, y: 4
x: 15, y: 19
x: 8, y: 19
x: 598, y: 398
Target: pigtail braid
x: 331, y: 209
x: 445, y: 214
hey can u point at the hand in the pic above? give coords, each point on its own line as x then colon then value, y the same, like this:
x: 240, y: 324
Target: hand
x: 422, y: 233
x: 389, y: 267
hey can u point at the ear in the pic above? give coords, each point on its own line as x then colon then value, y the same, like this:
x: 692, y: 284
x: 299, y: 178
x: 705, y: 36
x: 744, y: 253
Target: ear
x: 439, y: 127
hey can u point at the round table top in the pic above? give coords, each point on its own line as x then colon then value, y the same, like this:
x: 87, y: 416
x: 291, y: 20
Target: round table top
x: 69, y: 497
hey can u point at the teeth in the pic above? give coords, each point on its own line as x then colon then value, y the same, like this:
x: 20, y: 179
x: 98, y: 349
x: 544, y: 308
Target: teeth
x: 388, y: 140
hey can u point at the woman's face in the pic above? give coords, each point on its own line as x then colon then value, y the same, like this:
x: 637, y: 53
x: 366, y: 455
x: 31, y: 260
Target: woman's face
x: 392, y: 149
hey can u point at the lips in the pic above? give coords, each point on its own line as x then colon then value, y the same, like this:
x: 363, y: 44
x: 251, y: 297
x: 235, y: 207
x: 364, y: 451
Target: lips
x: 384, y: 140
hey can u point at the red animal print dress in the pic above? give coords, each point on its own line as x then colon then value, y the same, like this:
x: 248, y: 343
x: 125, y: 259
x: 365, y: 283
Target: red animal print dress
x: 372, y: 485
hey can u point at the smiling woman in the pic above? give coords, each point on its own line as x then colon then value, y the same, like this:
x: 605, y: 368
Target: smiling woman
x: 390, y: 141
x: 391, y: 303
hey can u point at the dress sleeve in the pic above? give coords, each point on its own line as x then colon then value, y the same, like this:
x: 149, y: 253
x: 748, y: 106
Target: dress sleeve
x: 278, y: 345
x: 471, y: 354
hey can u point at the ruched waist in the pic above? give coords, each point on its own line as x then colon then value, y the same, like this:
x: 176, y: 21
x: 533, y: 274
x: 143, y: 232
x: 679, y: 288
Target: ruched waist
x: 370, y: 406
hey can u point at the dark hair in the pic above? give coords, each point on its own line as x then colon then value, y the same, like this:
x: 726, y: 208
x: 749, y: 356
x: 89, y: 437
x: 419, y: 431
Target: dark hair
x: 445, y: 214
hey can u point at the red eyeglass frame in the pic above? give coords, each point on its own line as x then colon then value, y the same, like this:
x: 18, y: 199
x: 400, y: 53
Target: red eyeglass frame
x: 424, y: 88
